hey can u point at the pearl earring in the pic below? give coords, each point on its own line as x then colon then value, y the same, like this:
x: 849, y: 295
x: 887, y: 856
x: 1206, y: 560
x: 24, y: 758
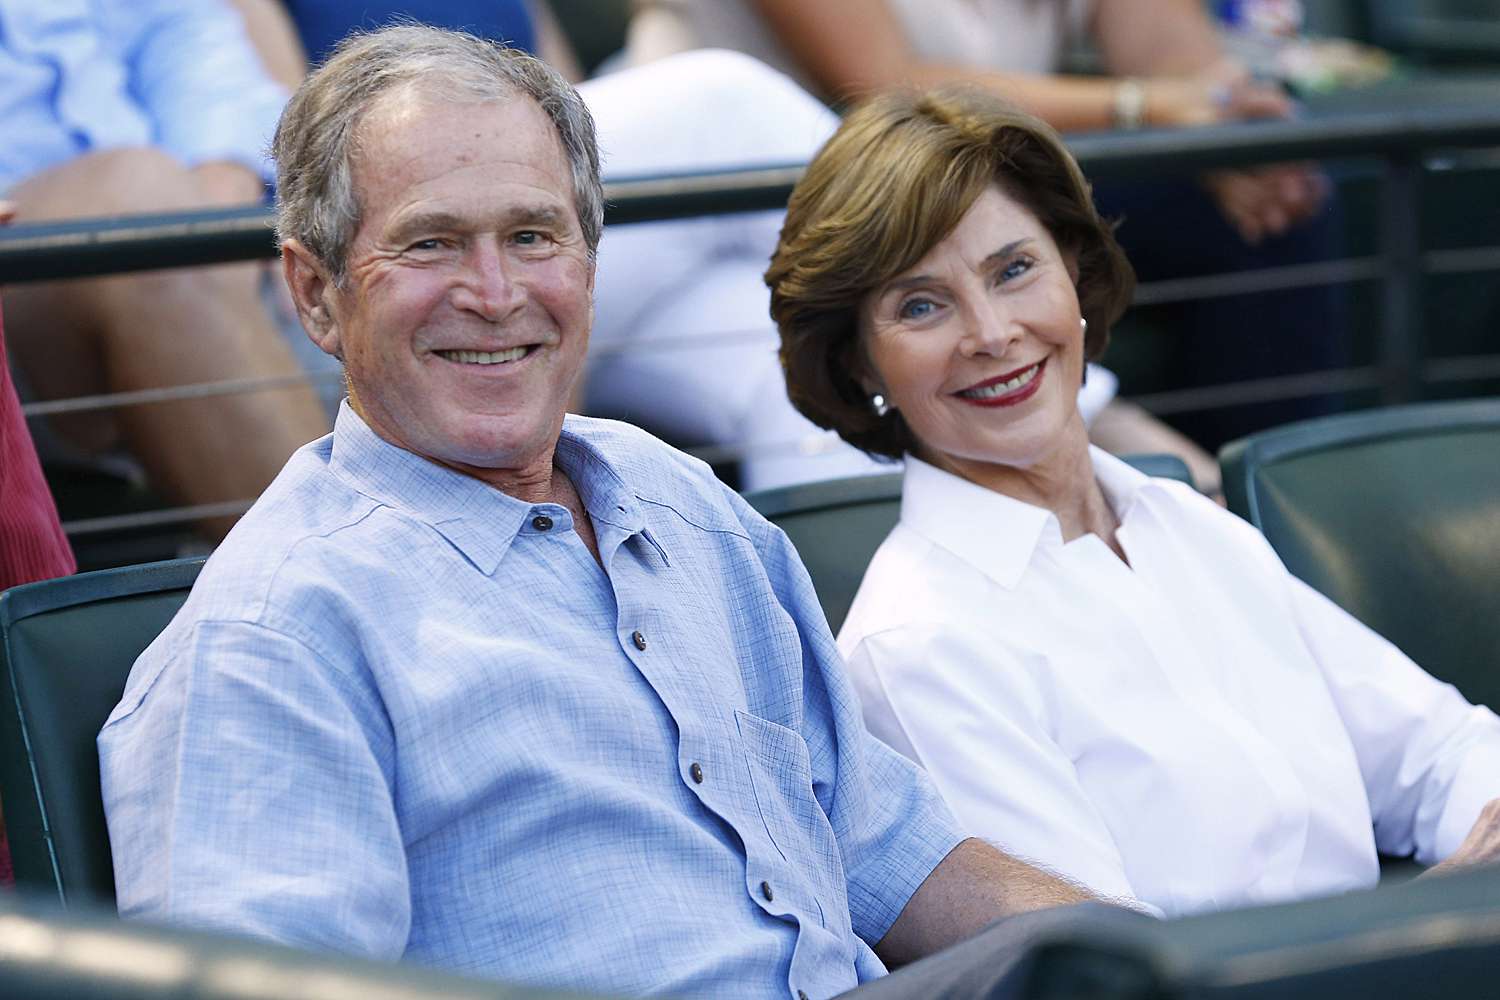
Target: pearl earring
x: 879, y: 405
x: 1084, y: 324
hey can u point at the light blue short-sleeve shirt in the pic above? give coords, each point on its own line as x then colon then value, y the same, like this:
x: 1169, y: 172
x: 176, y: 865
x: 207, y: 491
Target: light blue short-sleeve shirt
x: 405, y: 715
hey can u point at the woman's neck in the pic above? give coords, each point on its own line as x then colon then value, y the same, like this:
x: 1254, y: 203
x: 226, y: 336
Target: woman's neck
x: 1061, y: 481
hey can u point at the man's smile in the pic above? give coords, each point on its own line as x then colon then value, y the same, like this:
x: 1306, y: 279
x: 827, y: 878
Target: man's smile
x: 464, y: 357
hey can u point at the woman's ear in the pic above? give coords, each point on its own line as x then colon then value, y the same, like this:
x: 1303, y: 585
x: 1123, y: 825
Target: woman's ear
x: 1070, y: 261
x: 857, y: 362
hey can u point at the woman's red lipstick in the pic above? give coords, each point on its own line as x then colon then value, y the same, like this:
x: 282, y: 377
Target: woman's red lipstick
x: 1017, y: 395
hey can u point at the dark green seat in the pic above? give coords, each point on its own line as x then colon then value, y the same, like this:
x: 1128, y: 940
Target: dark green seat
x: 1395, y: 515
x: 837, y: 525
x: 66, y: 648
x: 1435, y: 938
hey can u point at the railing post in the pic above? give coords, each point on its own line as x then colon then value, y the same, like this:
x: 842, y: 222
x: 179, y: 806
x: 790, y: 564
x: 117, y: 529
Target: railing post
x: 1402, y: 344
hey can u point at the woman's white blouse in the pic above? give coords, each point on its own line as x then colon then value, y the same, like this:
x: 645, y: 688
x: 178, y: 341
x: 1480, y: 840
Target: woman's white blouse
x: 1196, y: 730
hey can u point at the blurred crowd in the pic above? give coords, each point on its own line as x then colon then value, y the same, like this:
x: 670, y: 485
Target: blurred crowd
x: 116, y: 108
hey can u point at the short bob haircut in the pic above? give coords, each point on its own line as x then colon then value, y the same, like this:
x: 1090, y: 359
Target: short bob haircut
x: 894, y: 180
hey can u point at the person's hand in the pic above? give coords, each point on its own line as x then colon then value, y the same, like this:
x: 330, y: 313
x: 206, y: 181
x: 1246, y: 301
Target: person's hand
x: 1267, y: 201
x: 1480, y: 847
x: 226, y: 183
x: 1223, y: 92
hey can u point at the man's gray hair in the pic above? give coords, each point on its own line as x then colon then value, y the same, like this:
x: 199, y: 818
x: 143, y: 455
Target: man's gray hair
x: 317, y: 137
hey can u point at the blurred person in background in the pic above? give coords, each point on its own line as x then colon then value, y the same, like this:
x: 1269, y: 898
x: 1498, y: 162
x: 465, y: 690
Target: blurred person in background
x: 32, y: 543
x: 117, y: 107
x: 1165, y: 67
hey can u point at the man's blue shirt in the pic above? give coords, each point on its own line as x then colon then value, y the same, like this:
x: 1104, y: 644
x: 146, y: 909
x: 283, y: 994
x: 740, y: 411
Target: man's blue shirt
x: 404, y: 714
x: 77, y: 76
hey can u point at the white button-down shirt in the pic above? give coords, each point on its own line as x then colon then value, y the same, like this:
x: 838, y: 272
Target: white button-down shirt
x: 1198, y: 729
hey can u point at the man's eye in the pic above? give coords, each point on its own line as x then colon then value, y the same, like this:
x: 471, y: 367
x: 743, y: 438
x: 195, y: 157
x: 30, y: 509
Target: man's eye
x: 916, y: 309
x: 429, y: 244
x: 528, y: 237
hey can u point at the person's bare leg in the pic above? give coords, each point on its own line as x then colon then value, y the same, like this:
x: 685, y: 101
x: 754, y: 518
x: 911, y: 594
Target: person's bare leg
x: 154, y: 329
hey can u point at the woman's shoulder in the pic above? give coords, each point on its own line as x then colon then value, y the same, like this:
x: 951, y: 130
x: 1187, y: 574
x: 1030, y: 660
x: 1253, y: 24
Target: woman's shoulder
x: 916, y: 592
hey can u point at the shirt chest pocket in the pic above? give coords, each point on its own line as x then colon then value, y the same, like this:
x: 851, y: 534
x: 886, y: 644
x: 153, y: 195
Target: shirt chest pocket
x: 781, y: 777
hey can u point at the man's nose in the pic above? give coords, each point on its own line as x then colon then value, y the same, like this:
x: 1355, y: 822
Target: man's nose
x: 489, y: 288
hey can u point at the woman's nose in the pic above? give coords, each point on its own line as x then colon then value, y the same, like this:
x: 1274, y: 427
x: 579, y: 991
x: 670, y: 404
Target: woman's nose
x: 990, y: 328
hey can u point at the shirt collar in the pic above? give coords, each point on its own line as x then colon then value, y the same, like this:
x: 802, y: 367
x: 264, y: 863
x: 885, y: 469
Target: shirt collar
x: 949, y: 510
x: 477, y: 519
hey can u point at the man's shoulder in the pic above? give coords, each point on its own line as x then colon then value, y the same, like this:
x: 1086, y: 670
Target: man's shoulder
x: 306, y: 530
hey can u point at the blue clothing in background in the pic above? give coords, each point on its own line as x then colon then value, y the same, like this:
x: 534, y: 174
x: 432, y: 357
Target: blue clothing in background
x: 321, y: 23
x: 77, y: 76
x: 403, y: 714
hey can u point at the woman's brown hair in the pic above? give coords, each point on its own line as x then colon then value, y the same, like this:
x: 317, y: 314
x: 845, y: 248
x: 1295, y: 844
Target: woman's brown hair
x: 892, y: 183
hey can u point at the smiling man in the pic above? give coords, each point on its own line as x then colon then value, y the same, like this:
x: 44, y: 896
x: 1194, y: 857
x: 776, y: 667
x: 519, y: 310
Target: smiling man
x: 484, y: 686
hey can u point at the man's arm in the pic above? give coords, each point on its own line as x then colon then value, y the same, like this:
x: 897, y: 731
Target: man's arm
x: 972, y: 887
x: 248, y: 784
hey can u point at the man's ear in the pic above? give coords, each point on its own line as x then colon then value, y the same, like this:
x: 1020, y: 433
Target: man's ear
x: 313, y: 292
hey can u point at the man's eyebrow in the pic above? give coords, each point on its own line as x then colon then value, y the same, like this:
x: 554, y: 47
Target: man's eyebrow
x: 444, y: 221
x: 901, y: 284
x: 425, y: 222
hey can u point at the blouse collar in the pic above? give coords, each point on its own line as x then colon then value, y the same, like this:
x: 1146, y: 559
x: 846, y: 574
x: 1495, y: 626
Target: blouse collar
x: 996, y: 534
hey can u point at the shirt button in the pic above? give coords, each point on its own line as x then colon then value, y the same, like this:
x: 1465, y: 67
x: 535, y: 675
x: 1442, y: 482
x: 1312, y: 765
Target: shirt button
x: 542, y: 522
x: 697, y: 772
x: 765, y: 890
x: 639, y: 639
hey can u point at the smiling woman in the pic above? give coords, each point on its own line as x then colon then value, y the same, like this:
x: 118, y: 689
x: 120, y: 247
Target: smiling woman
x: 895, y: 180
x: 1104, y: 673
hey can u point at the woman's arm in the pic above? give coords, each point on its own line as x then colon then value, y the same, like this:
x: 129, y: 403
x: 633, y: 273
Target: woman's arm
x: 1430, y: 761
x: 853, y: 47
x: 982, y: 738
x: 552, y: 45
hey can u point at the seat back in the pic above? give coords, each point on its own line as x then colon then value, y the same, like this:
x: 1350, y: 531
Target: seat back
x: 89, y: 953
x: 838, y: 524
x: 1395, y: 515
x: 66, y: 649
x: 1434, y: 938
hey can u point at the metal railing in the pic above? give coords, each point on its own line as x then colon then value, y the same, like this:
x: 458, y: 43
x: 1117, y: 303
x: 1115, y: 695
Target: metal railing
x: 1399, y: 139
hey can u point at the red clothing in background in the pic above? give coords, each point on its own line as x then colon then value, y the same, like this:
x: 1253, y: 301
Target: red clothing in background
x: 32, y: 545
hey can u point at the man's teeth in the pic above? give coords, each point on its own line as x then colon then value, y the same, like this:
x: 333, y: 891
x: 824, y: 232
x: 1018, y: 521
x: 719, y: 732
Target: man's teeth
x: 999, y: 388
x: 484, y: 357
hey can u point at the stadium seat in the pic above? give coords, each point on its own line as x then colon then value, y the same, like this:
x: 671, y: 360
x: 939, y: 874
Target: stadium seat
x: 66, y: 648
x: 1434, y: 938
x: 837, y: 525
x: 87, y: 954
x: 1395, y: 515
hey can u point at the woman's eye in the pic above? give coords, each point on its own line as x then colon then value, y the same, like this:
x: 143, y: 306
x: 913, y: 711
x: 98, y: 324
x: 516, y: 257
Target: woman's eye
x: 915, y: 309
x: 1016, y: 268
